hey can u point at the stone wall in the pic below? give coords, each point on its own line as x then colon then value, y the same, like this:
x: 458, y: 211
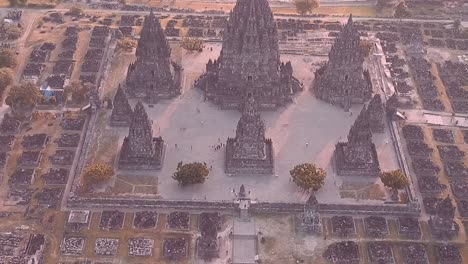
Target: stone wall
x: 230, y: 206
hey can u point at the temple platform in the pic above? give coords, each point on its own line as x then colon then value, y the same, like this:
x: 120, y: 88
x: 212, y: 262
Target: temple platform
x: 346, y: 168
x: 142, y: 163
x: 249, y: 167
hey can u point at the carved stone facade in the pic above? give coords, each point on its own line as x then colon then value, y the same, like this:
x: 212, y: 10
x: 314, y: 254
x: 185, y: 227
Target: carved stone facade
x: 442, y: 223
x: 153, y: 76
x: 250, y: 53
x: 121, y: 111
x: 342, y: 80
x: 310, y: 218
x: 358, y: 156
x: 376, y: 114
x: 249, y: 152
x: 140, y: 150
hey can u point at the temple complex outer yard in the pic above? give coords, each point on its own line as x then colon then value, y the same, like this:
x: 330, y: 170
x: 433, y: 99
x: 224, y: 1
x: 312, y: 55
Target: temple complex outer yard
x: 304, y: 131
x: 144, y: 216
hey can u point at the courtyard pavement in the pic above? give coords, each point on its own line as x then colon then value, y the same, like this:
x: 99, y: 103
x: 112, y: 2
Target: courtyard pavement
x: 305, y: 131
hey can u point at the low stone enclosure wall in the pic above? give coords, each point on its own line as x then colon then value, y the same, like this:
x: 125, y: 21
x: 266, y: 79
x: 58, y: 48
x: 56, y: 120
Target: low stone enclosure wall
x: 230, y: 206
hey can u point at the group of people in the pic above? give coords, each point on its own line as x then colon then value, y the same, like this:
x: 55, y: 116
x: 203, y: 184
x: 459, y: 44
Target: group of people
x: 217, y: 147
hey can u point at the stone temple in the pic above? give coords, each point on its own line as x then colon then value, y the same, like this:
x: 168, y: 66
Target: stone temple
x: 342, y: 80
x: 140, y: 150
x: 153, y: 76
x: 250, y: 53
x: 249, y: 152
x: 376, y: 114
x: 121, y: 111
x: 358, y: 156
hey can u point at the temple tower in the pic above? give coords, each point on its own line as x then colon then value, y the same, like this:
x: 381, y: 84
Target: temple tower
x: 376, y: 114
x: 358, y: 156
x: 249, y: 152
x: 121, y: 111
x: 140, y: 150
x: 250, y: 53
x: 342, y: 80
x: 152, y: 76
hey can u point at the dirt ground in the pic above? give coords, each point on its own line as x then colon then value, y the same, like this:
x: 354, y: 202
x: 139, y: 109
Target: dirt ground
x: 283, y: 245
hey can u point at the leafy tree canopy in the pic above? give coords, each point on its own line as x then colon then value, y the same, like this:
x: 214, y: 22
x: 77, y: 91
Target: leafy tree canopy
x: 402, y: 11
x: 96, y: 173
x: 395, y: 179
x: 191, y: 173
x: 126, y: 44
x: 308, y: 176
x: 6, y: 78
x: 7, y: 58
x: 305, y: 6
x: 23, y: 95
x: 192, y: 44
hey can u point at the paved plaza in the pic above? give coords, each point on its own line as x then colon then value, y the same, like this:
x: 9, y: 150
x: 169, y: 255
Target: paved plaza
x: 305, y: 131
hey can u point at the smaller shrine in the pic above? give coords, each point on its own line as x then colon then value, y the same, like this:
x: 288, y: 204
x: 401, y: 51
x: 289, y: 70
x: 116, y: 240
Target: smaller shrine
x: 140, y: 150
x: 358, y: 156
x: 121, y: 111
x: 249, y: 152
x: 376, y: 114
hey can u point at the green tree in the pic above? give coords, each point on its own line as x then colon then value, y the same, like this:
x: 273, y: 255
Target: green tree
x: 305, y: 6
x: 75, y: 11
x: 192, y: 44
x: 6, y: 78
x: 191, y: 173
x: 96, y: 173
x: 22, y: 99
x: 394, y: 180
x: 7, y: 58
x: 402, y: 11
x: 77, y: 91
x: 308, y: 176
x: 13, y: 32
x: 126, y: 44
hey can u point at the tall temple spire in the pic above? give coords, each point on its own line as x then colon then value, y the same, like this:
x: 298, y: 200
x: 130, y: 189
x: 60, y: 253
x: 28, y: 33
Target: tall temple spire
x: 250, y: 52
x: 141, y: 132
x: 342, y: 80
x: 140, y: 150
x: 122, y: 111
x: 152, y: 40
x: 150, y: 77
x: 358, y: 156
x: 376, y: 114
x: 250, y: 131
x: 360, y: 131
x: 249, y: 152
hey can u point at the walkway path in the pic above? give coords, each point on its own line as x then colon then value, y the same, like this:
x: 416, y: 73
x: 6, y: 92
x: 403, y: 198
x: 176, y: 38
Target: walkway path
x: 244, y: 246
x: 420, y: 116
